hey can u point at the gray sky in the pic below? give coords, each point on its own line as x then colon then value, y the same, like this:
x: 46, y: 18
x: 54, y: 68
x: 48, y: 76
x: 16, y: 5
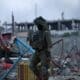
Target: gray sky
x: 24, y: 10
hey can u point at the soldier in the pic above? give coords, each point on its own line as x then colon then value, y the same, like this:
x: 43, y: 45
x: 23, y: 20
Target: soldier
x: 41, y: 42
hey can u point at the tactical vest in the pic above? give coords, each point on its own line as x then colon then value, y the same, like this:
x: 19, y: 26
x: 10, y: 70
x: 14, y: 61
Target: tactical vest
x: 37, y: 41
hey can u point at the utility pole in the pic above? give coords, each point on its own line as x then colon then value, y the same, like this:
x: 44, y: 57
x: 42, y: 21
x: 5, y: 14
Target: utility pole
x: 35, y: 10
x: 62, y: 15
x: 13, y: 24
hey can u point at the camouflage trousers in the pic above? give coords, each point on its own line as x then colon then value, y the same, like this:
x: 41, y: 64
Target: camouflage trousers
x: 40, y: 62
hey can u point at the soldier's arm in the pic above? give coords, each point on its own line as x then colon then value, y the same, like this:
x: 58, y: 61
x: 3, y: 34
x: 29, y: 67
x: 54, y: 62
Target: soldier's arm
x: 48, y: 39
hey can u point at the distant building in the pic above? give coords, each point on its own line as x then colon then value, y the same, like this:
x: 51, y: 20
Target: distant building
x: 1, y: 29
x: 59, y: 25
x: 72, y: 24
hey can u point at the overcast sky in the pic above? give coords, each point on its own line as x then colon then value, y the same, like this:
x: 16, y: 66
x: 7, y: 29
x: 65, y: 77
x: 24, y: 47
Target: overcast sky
x: 26, y: 10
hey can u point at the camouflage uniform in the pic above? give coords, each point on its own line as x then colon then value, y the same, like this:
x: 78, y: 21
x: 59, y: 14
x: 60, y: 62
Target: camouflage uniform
x: 41, y: 41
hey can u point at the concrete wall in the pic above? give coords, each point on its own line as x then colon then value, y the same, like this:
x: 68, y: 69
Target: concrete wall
x: 22, y: 34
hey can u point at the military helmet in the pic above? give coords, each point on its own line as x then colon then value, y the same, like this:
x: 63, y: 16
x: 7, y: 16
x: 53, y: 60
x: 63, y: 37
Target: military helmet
x: 41, y: 23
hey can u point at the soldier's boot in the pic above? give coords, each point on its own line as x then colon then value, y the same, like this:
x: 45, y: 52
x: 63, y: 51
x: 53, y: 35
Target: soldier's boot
x: 38, y: 78
x: 44, y: 73
x: 45, y: 78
